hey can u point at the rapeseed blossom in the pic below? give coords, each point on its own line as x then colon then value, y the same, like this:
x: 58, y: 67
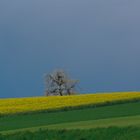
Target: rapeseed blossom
x: 31, y: 104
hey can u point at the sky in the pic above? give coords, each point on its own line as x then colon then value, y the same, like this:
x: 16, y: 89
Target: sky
x: 95, y: 41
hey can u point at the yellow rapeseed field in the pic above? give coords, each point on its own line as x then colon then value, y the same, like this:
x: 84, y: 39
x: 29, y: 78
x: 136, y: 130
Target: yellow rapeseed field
x: 20, y: 105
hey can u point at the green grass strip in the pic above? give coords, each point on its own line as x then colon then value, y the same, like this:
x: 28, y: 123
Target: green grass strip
x: 119, y: 121
x: 111, y: 133
x: 101, y: 123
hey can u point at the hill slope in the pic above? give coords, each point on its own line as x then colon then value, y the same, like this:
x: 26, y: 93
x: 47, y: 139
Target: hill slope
x: 111, y: 133
x: 45, y: 119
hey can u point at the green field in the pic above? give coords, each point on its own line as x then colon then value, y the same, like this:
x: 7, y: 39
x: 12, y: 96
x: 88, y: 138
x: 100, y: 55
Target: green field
x: 93, y: 122
x: 111, y: 133
x: 119, y: 121
x: 44, y: 119
x: 100, y: 123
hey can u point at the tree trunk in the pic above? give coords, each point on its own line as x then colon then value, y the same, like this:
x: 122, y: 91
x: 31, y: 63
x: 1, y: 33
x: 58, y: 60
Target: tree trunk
x: 60, y: 91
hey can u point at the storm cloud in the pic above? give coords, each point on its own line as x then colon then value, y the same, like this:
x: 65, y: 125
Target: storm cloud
x: 95, y: 41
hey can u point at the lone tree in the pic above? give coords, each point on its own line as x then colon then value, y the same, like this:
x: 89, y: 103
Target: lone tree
x: 59, y: 83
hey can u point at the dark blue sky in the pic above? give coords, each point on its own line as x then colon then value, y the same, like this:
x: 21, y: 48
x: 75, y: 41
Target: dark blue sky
x: 95, y: 41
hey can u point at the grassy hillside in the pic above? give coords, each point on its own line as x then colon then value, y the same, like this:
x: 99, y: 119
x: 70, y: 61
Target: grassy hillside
x: 38, y: 104
x: 103, y: 123
x: 114, y: 116
x: 100, y: 123
x: 44, y: 119
x: 112, y: 133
